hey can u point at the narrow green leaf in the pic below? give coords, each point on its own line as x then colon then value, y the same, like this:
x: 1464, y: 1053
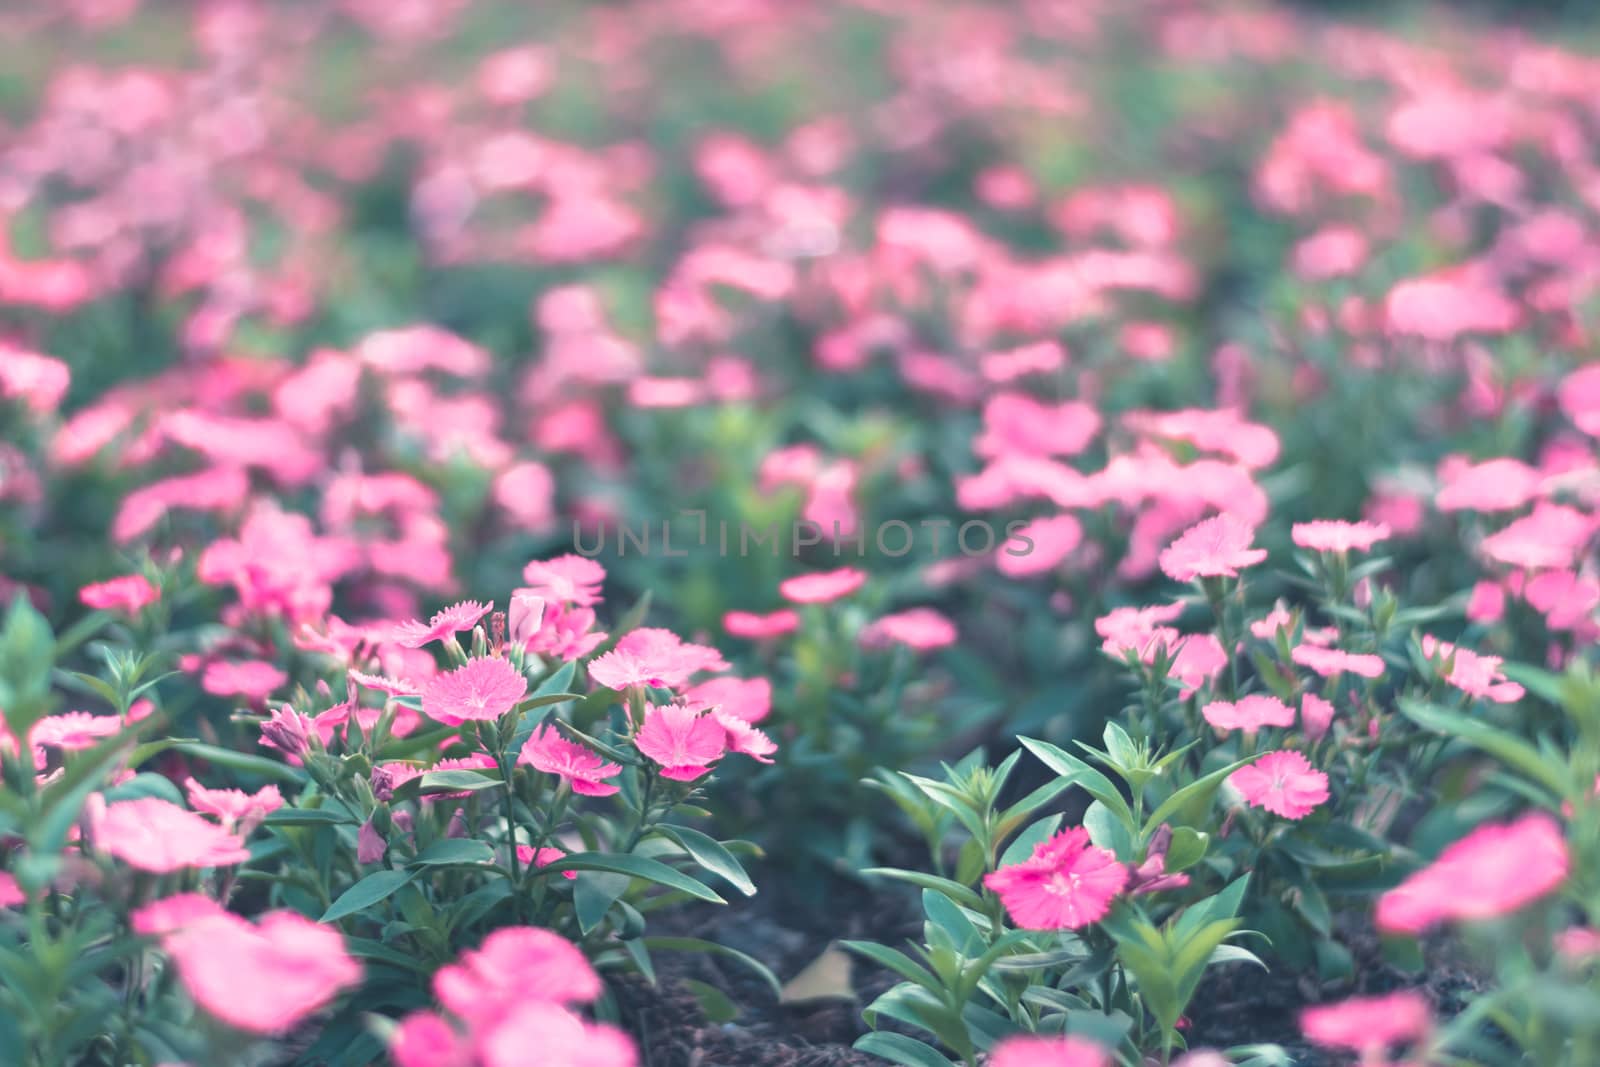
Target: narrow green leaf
x: 375, y: 887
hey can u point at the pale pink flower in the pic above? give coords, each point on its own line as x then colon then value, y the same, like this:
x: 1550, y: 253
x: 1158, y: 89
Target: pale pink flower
x: 1327, y: 535
x: 547, y: 751
x: 482, y: 689
x: 72, y: 731
x: 1215, y: 548
x: 1196, y: 660
x: 1487, y: 603
x: 424, y: 1039
x: 1580, y: 398
x: 1473, y: 674
x: 1249, y: 713
x: 749, y: 699
x: 1330, y: 662
x: 156, y: 835
x: 569, y: 579
x: 234, y: 807
x: 1368, y: 1024
x: 565, y: 631
x: 128, y: 594
x: 266, y: 978
x: 1015, y: 423
x: 252, y: 679
x: 760, y: 627
x: 1565, y: 599
x: 1316, y: 716
x: 1578, y: 944
x: 1266, y: 628
x: 682, y: 740
x: 1283, y: 783
x: 822, y: 586
x: 1553, y: 536
x: 1128, y: 629
x: 446, y: 623
x: 524, y: 617
x: 170, y: 914
x: 1038, y: 546
x: 1496, y: 485
x: 744, y: 738
x: 1065, y: 884
x: 1033, y: 1051
x: 562, y: 1038
x: 653, y: 657
x: 514, y: 965
x: 1493, y: 871
x: 922, y: 629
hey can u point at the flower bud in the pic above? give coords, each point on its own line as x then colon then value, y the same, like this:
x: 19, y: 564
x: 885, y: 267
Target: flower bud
x: 370, y: 845
x: 526, y: 616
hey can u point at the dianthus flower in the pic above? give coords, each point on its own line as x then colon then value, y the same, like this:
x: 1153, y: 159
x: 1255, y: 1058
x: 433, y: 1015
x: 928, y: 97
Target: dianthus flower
x: 1249, y: 713
x: 1327, y: 535
x: 234, y: 807
x: 656, y: 658
x: 1493, y: 871
x: 513, y: 965
x: 1475, y: 675
x: 446, y: 623
x: 756, y: 627
x: 156, y: 835
x: 1039, y: 546
x: 128, y: 594
x: 682, y: 740
x: 1368, y: 1024
x: 73, y: 730
x: 1283, y: 783
x: 822, y: 586
x: 1330, y: 662
x: 749, y: 699
x: 547, y: 751
x: 251, y: 679
x: 1066, y: 884
x: 482, y: 689
x: 1033, y: 1051
x: 921, y: 629
x: 1215, y: 548
x: 568, y: 579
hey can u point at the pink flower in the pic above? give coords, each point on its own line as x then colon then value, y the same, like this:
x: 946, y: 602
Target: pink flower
x: 1496, y: 485
x: 656, y: 658
x: 749, y: 699
x: 1283, y: 783
x: 514, y: 965
x: 1327, y: 535
x: 234, y: 807
x: 251, y: 679
x: 1043, y: 543
x: 1316, y: 716
x: 1554, y: 535
x: 565, y: 631
x: 744, y: 738
x: 170, y: 914
x: 1196, y: 660
x: 569, y: 579
x: 1475, y: 675
x: 1487, y: 603
x: 1249, y: 713
x: 156, y: 835
x: 1066, y: 884
x: 922, y: 629
x: 1493, y: 871
x: 288, y: 731
x: 823, y: 586
x: 446, y: 623
x: 562, y: 1038
x: 1128, y: 629
x: 682, y: 740
x: 72, y: 731
x: 551, y: 753
x: 424, y: 1039
x: 1368, y: 1024
x: 543, y: 857
x: 760, y: 627
x: 1565, y: 599
x: 1215, y: 548
x: 1031, y: 1051
x: 262, y: 979
x: 1330, y: 662
x: 1580, y: 398
x: 525, y: 616
x: 129, y: 594
x: 482, y: 689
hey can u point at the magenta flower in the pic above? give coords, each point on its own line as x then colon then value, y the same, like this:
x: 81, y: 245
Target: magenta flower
x: 1369, y: 1024
x: 1215, y: 548
x: 749, y: 699
x: 1326, y: 535
x: 128, y: 594
x: 822, y: 586
x: 156, y: 835
x: 446, y: 623
x: 289, y: 731
x: 1493, y: 871
x: 1330, y: 662
x: 682, y: 740
x: 551, y: 753
x: 568, y: 579
x: 1066, y: 884
x: 482, y: 689
x: 1028, y: 1050
x: 1249, y: 713
x: 563, y: 1039
x: 527, y: 856
x: 1283, y: 783
x: 424, y: 1039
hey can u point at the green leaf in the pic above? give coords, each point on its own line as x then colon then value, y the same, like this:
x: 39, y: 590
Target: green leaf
x: 309, y: 817
x: 1187, y: 848
x: 1081, y: 774
x: 593, y: 895
x: 377, y: 886
x: 432, y: 783
x: 636, y: 866
x: 714, y: 1003
x: 695, y: 944
x: 710, y: 854
x: 242, y: 761
x: 1023, y: 846
x: 954, y: 890
x: 1504, y: 746
x: 455, y: 852
x: 898, y: 1048
x: 145, y: 785
x: 898, y: 962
